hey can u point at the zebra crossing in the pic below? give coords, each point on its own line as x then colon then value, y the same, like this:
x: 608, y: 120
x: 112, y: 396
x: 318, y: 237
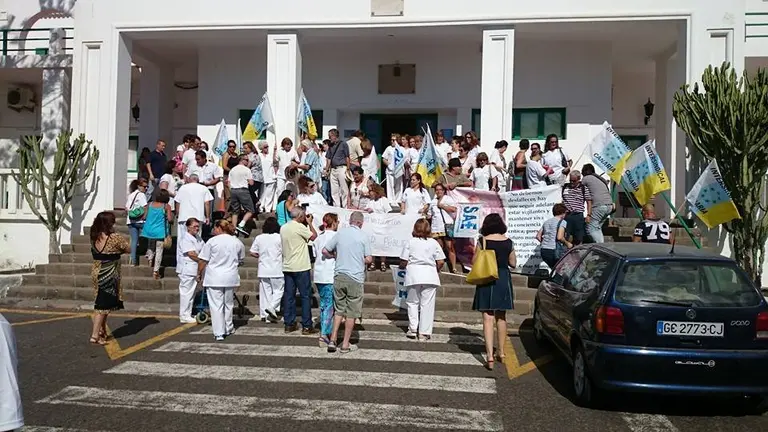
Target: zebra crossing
x: 391, y: 382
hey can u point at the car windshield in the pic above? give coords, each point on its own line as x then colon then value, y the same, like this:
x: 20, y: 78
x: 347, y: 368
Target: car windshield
x: 687, y: 284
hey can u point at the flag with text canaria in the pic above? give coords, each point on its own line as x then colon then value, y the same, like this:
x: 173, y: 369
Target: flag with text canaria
x: 304, y: 118
x: 710, y: 200
x: 644, y: 174
x: 430, y: 165
x: 260, y: 121
x: 609, y: 152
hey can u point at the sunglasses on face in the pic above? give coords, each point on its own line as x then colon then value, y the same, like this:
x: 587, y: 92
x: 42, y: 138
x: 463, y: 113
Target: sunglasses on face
x: 194, y: 226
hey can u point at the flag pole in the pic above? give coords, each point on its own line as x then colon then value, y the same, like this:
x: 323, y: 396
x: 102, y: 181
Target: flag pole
x: 680, y: 219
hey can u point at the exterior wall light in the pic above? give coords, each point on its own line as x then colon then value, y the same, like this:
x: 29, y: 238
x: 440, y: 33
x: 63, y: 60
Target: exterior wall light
x: 648, y: 107
x: 135, y: 112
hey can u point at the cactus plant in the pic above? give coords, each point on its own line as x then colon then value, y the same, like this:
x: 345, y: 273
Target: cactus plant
x: 49, y: 192
x: 728, y: 122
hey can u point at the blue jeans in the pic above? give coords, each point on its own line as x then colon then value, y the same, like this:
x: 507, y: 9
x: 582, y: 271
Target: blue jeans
x: 600, y: 214
x: 135, y: 229
x: 300, y: 280
x: 327, y: 190
x: 326, y: 308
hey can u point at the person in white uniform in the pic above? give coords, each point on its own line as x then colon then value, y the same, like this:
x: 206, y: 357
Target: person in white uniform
x: 421, y: 258
x: 268, y: 249
x: 220, y: 260
x: 11, y: 414
x: 268, y: 191
x: 392, y: 158
x: 190, y: 245
x: 415, y: 199
x: 191, y: 202
x: 484, y: 176
x: 286, y: 157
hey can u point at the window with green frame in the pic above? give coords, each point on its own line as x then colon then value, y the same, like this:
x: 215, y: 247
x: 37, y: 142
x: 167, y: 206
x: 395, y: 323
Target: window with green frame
x: 634, y: 141
x: 537, y: 123
x: 245, y: 117
x: 133, y: 153
x: 475, y: 122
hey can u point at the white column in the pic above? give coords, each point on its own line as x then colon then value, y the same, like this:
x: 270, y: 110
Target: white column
x: 661, y: 119
x: 56, y: 99
x: 284, y: 82
x: 497, y: 85
x: 677, y: 76
x: 156, y: 102
x: 330, y: 121
x: 463, y: 121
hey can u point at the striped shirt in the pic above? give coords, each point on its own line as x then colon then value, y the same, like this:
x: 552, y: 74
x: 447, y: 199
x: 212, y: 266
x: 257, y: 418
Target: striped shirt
x: 574, y: 197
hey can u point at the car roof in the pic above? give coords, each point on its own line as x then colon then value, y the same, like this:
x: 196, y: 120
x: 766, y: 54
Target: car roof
x: 633, y: 251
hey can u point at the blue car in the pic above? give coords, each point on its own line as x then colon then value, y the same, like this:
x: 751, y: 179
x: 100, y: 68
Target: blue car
x: 655, y: 318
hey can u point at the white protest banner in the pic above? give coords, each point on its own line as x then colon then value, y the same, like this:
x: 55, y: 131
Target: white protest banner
x: 467, y: 222
x: 523, y: 211
x: 401, y: 292
x: 388, y: 231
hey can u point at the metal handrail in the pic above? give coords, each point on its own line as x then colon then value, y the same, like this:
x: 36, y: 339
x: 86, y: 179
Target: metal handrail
x: 6, y: 39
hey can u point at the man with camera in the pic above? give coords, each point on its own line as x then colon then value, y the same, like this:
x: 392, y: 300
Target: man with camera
x: 295, y: 236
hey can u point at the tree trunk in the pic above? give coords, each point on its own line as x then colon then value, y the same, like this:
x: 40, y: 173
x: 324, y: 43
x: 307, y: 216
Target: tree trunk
x: 53, y: 242
x: 748, y: 253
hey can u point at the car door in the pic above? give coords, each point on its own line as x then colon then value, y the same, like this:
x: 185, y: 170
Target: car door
x: 552, y: 290
x: 581, y: 291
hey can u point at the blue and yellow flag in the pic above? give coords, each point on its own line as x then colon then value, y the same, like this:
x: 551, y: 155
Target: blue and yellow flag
x: 222, y: 138
x: 430, y: 165
x: 644, y: 174
x: 609, y: 152
x: 710, y: 200
x: 304, y: 118
x: 260, y: 121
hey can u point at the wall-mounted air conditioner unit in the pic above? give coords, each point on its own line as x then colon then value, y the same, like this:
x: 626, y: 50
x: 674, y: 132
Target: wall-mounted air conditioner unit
x: 21, y: 98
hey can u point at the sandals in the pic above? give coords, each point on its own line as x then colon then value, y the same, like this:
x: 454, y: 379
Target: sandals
x: 99, y: 341
x: 156, y: 275
x: 384, y: 266
x: 489, y: 365
x: 371, y: 267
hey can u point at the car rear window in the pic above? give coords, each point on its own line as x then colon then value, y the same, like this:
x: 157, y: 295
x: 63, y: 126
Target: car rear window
x: 686, y: 283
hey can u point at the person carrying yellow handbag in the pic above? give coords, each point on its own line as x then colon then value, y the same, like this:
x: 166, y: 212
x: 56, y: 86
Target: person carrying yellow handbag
x: 494, y: 256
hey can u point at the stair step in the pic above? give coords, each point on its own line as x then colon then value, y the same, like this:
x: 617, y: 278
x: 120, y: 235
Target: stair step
x: 168, y: 296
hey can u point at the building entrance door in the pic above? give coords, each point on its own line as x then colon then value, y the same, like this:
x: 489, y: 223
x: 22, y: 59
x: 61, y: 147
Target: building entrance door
x: 380, y: 127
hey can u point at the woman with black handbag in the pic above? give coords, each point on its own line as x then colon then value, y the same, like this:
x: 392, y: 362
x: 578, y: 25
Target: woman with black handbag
x: 442, y: 210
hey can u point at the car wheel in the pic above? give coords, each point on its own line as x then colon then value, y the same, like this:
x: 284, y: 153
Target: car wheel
x: 756, y: 404
x: 538, y: 327
x: 583, y: 388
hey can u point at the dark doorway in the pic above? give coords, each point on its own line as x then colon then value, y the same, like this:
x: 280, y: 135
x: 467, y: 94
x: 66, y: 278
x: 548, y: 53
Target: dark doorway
x: 380, y: 127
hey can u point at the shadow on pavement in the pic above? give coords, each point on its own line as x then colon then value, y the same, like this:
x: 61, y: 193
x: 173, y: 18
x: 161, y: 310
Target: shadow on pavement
x: 133, y: 326
x: 558, y: 375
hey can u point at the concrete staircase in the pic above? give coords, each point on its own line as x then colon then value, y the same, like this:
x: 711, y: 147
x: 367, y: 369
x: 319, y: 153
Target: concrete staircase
x: 67, y: 277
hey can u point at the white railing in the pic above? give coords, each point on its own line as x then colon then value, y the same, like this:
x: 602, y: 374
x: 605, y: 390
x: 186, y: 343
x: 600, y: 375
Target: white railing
x: 12, y: 202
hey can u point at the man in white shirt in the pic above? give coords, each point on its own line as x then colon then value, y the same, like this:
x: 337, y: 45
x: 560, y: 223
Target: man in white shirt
x: 240, y: 177
x: 535, y: 173
x: 208, y: 173
x: 556, y: 159
x: 192, y: 202
x: 190, y: 147
x: 11, y: 414
x: 356, y: 147
x: 443, y: 147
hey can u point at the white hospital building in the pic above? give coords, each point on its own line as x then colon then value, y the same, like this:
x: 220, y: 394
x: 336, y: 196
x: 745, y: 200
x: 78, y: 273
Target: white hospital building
x: 126, y: 73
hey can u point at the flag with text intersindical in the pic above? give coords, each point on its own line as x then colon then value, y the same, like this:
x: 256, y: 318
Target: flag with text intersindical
x: 304, y: 118
x: 222, y: 138
x: 260, y: 121
x: 710, y: 200
x: 430, y: 165
x: 609, y: 152
x: 644, y: 174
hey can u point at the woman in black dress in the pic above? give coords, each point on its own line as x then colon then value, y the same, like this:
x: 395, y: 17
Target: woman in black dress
x: 495, y: 299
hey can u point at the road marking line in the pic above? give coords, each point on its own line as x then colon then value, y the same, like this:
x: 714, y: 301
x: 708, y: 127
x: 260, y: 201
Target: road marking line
x: 648, y: 423
x: 89, y: 312
x: 45, y: 320
x: 365, y: 335
x: 51, y: 429
x: 512, y: 363
x: 436, y: 357
x: 115, y: 352
x: 308, y: 376
x: 314, y: 410
x: 437, y: 324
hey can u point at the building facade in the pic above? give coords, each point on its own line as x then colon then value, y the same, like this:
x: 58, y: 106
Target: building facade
x: 129, y: 73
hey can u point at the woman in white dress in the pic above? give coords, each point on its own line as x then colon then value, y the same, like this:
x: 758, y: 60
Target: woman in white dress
x: 484, y: 176
x: 499, y: 163
x: 308, y: 193
x: 442, y: 211
x: 422, y: 257
x: 286, y: 158
x: 415, y: 199
x: 268, y: 191
x: 189, y: 247
x: 358, y: 190
x: 370, y: 161
x: 378, y: 204
x: 219, y: 261
x: 268, y: 249
x: 391, y: 158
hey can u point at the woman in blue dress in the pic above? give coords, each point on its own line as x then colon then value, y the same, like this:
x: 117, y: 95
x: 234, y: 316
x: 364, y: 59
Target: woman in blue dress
x: 495, y: 299
x: 285, y: 203
x: 157, y: 228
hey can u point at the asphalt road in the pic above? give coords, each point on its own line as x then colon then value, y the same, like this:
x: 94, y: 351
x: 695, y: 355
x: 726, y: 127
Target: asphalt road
x: 159, y: 376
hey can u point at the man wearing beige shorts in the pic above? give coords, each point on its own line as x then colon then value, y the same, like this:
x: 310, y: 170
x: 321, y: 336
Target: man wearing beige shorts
x: 352, y: 249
